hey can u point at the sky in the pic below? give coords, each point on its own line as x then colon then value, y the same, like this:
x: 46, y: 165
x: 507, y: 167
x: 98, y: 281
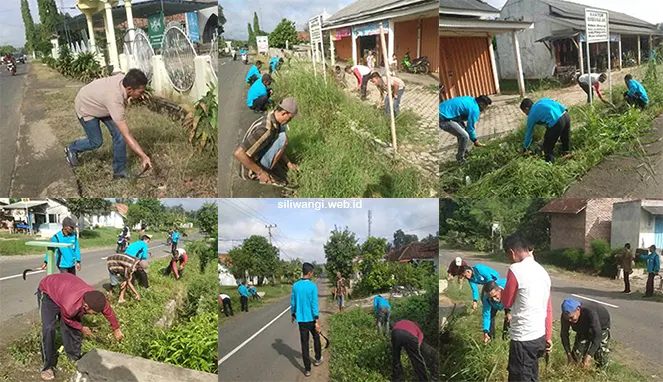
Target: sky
x: 301, y: 233
x: 188, y: 203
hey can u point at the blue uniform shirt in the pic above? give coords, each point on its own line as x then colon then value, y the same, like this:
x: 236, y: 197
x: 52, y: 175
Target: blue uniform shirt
x: 258, y: 89
x: 488, y: 304
x: 653, y: 262
x: 68, y: 256
x: 253, y: 71
x: 243, y: 291
x: 379, y: 301
x: 544, y: 112
x: 137, y: 249
x: 176, y: 237
x: 481, y: 274
x: 273, y: 62
x: 636, y: 89
x: 464, y: 108
x: 243, y: 51
x: 304, y: 301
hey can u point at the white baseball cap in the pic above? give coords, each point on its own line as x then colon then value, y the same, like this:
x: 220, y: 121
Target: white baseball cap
x: 459, y: 261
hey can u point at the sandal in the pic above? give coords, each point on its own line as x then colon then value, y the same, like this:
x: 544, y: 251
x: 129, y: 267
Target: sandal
x: 47, y: 375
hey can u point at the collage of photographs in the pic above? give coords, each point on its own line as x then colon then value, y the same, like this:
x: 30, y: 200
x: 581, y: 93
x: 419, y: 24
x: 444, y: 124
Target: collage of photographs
x: 384, y: 200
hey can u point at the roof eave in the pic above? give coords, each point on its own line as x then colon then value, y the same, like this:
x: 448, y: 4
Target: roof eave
x: 379, y: 15
x: 468, y: 12
x: 495, y: 26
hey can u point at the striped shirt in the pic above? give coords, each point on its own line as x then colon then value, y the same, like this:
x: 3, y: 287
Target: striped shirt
x: 121, y: 264
x: 260, y: 136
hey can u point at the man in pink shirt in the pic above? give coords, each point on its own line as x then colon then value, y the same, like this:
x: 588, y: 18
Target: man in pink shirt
x: 68, y: 297
x: 104, y: 100
x: 407, y: 334
x: 527, y: 294
x: 362, y: 74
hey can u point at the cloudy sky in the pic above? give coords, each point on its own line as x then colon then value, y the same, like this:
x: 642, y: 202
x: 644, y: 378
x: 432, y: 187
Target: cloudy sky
x: 188, y: 204
x: 301, y: 233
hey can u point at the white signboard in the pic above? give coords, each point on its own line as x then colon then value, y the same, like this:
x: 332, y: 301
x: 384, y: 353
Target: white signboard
x: 315, y: 29
x: 596, y: 23
x: 263, y: 44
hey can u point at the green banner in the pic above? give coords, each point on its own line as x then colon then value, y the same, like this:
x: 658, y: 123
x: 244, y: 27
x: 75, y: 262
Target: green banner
x: 155, y: 29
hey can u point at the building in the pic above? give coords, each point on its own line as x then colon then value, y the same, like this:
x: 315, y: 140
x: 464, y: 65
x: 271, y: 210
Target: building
x: 416, y: 253
x: 637, y: 222
x: 555, y: 42
x: 225, y: 277
x: 113, y: 219
x: 575, y: 223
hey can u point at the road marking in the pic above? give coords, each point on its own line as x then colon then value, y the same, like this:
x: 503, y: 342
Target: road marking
x: 597, y: 301
x: 156, y: 246
x: 252, y: 337
x: 21, y: 275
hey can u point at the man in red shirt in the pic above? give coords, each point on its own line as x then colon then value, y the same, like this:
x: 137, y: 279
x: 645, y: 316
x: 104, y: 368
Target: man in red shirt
x: 407, y: 334
x: 69, y: 298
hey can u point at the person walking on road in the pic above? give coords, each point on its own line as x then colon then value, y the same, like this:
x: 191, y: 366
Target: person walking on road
x: 382, y: 313
x: 478, y: 275
x: 121, y: 269
x: 224, y: 299
x: 527, y: 294
x: 254, y: 73
x: 626, y: 260
x: 243, y: 296
x: 258, y: 96
x: 636, y: 94
x: 340, y: 292
x: 140, y: 250
x: 653, y: 267
x: 591, y: 322
x: 104, y: 100
x: 304, y: 310
x: 67, y: 298
x: 177, y: 262
x: 66, y: 259
x: 491, y: 304
x: 555, y: 117
x: 454, y: 270
x: 175, y: 241
x: 362, y: 73
x: 454, y: 113
x: 407, y: 334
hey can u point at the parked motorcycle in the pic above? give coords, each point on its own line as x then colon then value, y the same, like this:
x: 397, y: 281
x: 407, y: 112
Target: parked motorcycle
x: 121, y: 244
x: 11, y: 68
x: 420, y: 65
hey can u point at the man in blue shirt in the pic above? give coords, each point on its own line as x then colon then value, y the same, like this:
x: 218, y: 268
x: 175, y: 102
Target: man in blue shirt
x: 478, y: 275
x: 254, y: 73
x: 636, y: 94
x: 653, y: 267
x: 175, y: 240
x: 382, y: 312
x: 557, y: 121
x: 453, y: 114
x: 491, y: 304
x: 257, y: 98
x: 68, y: 260
x: 244, y: 295
x: 275, y: 64
x: 140, y: 250
x: 304, y: 309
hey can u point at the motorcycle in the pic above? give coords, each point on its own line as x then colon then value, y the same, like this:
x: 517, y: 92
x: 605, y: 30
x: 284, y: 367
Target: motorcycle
x: 234, y: 56
x: 121, y: 244
x: 245, y: 56
x: 11, y: 67
x: 420, y: 65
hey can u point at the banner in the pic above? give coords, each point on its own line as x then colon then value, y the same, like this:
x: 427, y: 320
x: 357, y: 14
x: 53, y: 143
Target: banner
x: 342, y: 32
x: 192, y: 26
x: 371, y: 29
x: 155, y: 29
x: 263, y: 44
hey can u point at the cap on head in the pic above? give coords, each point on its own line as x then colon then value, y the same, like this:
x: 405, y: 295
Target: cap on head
x: 146, y: 236
x: 569, y: 305
x: 144, y: 264
x: 459, y: 261
x: 290, y: 105
x: 68, y: 222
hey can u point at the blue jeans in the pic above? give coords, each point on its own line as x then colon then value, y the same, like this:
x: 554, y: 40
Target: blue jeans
x: 95, y: 139
x: 397, y: 102
x: 269, y: 159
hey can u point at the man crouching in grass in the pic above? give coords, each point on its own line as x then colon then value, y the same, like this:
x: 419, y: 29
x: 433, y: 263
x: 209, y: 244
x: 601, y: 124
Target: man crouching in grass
x: 264, y: 144
x: 104, y: 100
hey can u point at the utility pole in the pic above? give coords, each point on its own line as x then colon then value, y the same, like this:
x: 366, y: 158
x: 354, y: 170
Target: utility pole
x: 269, y: 228
x: 370, y: 220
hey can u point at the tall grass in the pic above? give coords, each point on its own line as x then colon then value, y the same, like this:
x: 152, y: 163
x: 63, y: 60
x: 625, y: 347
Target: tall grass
x: 334, y: 160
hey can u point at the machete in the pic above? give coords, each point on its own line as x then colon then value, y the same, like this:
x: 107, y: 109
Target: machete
x: 25, y: 272
x: 326, y: 340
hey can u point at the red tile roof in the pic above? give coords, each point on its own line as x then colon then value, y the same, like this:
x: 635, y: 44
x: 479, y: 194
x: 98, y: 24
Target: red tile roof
x: 413, y: 251
x: 565, y: 206
x: 121, y: 208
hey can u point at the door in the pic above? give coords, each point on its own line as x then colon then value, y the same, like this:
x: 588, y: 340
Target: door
x: 465, y: 66
x: 658, y: 232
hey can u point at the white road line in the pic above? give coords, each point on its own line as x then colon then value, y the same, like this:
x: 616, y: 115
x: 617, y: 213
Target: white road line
x: 597, y: 301
x: 20, y: 275
x: 235, y: 350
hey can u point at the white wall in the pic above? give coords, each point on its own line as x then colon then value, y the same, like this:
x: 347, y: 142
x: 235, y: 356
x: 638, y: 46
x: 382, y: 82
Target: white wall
x: 626, y: 224
x: 112, y: 220
x: 225, y: 278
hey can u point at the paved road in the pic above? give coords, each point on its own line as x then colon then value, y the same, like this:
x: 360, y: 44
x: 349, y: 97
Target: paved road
x: 235, y: 118
x: 17, y: 296
x: 635, y: 323
x: 272, y: 355
x: 11, y: 97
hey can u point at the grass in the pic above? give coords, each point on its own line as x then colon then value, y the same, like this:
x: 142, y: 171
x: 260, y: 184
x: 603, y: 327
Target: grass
x: 272, y: 292
x: 498, y: 170
x: 179, y: 170
x: 11, y: 245
x: 334, y: 160
x: 467, y: 358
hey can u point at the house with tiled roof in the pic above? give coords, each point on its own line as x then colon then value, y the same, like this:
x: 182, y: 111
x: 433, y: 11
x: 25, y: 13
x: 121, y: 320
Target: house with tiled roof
x: 416, y: 253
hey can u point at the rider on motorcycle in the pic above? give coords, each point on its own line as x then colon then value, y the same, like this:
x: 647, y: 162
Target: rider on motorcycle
x: 244, y: 52
x: 7, y: 59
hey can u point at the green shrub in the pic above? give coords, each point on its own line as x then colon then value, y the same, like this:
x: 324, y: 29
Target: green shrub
x: 600, y: 251
x: 86, y: 68
x: 65, y: 61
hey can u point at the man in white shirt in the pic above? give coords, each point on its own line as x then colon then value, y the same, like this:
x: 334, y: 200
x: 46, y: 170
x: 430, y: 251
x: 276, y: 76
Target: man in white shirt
x: 362, y: 74
x: 592, y: 82
x: 527, y: 294
x: 224, y: 299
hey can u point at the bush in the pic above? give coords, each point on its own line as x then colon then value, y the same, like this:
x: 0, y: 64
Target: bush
x: 600, y: 251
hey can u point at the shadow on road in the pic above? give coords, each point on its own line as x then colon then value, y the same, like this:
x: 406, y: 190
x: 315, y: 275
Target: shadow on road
x: 635, y: 296
x: 288, y: 352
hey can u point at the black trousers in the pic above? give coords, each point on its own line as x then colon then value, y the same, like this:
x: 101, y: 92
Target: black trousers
x: 649, y: 290
x: 260, y: 103
x: 627, y: 282
x: 141, y: 278
x: 403, y: 339
x: 364, y: 84
x: 524, y: 359
x: 635, y: 101
x: 491, y: 330
x: 586, y: 88
x: 244, y: 302
x: 71, y: 338
x: 71, y: 270
x: 252, y: 79
x: 560, y: 131
x: 173, y: 247
x: 227, y: 307
x: 306, y: 328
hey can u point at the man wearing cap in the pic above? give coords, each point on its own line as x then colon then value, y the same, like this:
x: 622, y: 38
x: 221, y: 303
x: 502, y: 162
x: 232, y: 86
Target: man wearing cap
x: 67, y: 298
x: 121, y: 269
x: 454, y: 270
x: 140, y: 250
x: 478, y: 275
x: 591, y: 322
x: 177, y: 263
x: 257, y: 98
x: 66, y: 259
x: 265, y: 142
x: 224, y: 299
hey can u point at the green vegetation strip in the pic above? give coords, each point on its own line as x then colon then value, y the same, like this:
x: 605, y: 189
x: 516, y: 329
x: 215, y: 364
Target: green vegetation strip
x: 498, y: 170
x: 334, y: 160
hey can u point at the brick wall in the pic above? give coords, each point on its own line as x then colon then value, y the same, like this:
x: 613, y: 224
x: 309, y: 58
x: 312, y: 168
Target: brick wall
x: 599, y: 220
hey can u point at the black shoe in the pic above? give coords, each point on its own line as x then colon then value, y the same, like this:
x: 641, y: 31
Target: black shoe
x: 71, y: 156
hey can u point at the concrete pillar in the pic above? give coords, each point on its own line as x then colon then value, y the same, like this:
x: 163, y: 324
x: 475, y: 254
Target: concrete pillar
x: 110, y: 36
x: 354, y: 46
x: 90, y: 30
x: 419, y: 39
x: 130, y: 22
x: 639, y: 52
x: 331, y: 48
x: 519, y: 64
x: 581, y: 59
x: 390, y: 39
x: 619, y: 44
x: 493, y: 64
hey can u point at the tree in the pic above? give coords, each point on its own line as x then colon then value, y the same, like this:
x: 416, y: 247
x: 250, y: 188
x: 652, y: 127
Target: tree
x: 430, y: 239
x: 256, y: 25
x: 208, y: 219
x: 283, y: 32
x: 372, y: 251
x: 341, y: 248
x: 255, y: 257
x: 6, y: 49
x: 43, y: 44
x: 49, y: 18
x: 252, y: 36
x: 147, y: 211
x: 29, y: 25
x: 87, y: 206
x: 401, y: 239
x: 290, y: 270
x: 222, y: 20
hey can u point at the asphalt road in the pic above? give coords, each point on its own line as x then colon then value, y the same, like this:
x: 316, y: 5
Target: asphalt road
x: 635, y: 323
x: 234, y: 119
x: 11, y: 97
x: 272, y: 355
x: 17, y: 296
